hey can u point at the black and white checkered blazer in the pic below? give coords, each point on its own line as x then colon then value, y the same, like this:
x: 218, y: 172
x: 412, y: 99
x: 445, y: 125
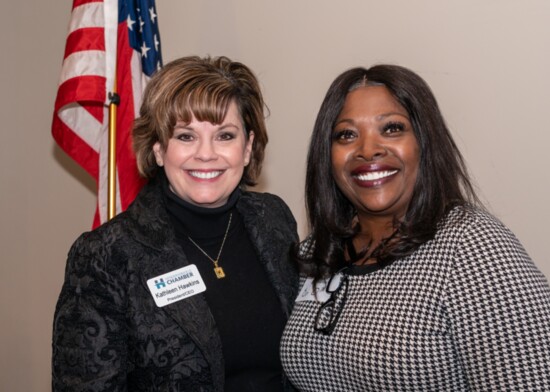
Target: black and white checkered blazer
x: 468, y: 311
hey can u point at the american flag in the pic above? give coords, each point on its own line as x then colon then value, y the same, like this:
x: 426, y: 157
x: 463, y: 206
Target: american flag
x: 109, y: 41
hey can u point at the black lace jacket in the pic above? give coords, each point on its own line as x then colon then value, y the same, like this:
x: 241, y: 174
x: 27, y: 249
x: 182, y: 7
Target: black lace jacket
x: 108, y: 333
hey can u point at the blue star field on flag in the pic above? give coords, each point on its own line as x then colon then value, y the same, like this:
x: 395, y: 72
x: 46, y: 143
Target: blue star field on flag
x: 143, y: 31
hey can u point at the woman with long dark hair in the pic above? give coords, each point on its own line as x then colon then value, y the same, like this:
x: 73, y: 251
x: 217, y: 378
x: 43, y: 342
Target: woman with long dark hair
x: 408, y: 282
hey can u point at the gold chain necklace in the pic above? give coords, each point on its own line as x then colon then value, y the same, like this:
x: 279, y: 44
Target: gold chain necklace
x: 217, y: 269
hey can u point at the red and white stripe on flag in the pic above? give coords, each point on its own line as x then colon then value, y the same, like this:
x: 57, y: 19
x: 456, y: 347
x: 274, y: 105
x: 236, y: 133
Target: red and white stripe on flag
x: 105, y: 38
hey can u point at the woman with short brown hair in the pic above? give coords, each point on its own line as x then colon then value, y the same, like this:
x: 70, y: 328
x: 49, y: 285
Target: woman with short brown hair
x: 190, y: 288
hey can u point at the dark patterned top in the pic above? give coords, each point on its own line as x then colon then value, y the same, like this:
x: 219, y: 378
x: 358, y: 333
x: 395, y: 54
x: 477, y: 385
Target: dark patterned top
x: 468, y: 311
x: 108, y: 333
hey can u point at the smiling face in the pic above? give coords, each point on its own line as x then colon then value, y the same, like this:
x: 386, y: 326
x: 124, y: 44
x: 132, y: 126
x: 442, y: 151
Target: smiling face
x: 375, y: 154
x: 204, y: 162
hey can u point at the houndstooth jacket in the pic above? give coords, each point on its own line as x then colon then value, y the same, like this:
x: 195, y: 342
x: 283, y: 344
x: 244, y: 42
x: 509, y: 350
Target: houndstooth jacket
x: 468, y: 311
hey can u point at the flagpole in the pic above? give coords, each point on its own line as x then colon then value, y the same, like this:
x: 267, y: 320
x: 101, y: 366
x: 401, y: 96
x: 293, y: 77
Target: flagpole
x: 114, y: 100
x: 89, y: 82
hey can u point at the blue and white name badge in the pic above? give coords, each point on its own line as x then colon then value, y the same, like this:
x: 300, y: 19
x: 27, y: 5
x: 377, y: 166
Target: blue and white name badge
x: 307, y: 293
x: 176, y: 285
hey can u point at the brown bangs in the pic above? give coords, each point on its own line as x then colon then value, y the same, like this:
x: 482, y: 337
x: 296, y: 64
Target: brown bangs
x: 204, y: 105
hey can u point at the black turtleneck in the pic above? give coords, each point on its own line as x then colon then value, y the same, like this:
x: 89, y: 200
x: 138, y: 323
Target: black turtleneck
x: 244, y: 304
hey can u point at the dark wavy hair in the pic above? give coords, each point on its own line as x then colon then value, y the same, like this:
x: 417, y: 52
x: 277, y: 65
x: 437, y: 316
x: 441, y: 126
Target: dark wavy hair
x: 202, y: 88
x: 442, y: 183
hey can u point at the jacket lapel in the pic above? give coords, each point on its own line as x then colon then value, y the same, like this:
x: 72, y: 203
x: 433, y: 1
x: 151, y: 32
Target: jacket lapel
x: 268, y: 231
x: 153, y: 229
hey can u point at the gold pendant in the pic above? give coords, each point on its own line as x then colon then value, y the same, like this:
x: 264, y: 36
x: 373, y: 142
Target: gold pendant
x: 219, y: 272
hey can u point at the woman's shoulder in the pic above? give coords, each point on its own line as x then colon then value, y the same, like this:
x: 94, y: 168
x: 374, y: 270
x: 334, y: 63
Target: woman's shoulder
x: 262, y: 198
x: 145, y: 221
x: 114, y: 226
x: 268, y: 212
x: 467, y: 230
x: 482, y: 238
x: 101, y: 239
x: 306, y: 247
x: 470, y: 218
x: 264, y: 203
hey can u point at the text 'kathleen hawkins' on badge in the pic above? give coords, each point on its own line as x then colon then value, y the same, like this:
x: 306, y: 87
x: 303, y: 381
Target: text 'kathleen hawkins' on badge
x: 176, y: 285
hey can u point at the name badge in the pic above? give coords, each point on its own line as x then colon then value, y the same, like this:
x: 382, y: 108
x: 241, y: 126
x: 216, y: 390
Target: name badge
x: 318, y: 294
x: 176, y: 285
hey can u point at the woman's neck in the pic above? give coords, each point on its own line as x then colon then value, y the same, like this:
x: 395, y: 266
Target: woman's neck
x: 374, y: 229
x: 199, y: 222
x: 374, y: 232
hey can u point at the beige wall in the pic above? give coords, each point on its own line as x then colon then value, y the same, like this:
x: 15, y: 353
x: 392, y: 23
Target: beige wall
x: 487, y: 61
